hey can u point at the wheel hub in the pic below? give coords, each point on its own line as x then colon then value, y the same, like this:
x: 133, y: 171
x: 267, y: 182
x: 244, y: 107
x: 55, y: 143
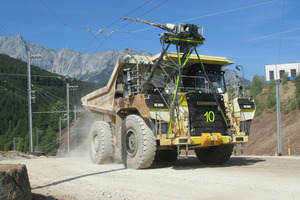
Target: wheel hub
x: 131, y: 143
x: 95, y: 144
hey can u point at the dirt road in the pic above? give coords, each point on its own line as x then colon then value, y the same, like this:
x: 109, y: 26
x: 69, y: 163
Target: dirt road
x: 240, y: 178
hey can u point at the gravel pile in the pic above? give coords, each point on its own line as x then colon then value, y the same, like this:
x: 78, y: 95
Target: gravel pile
x: 14, y: 155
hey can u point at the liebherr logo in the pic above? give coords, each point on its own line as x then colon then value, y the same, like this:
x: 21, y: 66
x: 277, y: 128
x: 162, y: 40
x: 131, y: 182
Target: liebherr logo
x: 247, y: 106
x: 206, y: 103
x: 158, y: 105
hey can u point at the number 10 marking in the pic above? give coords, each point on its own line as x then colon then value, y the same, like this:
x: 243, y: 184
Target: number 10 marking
x: 210, y: 116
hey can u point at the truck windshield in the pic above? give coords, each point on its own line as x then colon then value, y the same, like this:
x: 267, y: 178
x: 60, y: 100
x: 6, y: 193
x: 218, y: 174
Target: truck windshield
x: 199, y: 83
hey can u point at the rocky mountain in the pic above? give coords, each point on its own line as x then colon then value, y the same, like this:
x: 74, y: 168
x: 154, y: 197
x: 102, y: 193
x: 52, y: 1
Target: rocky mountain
x: 95, y: 67
x: 231, y: 78
x: 88, y: 67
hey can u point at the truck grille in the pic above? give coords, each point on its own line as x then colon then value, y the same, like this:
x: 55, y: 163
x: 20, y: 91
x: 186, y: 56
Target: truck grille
x: 204, y: 114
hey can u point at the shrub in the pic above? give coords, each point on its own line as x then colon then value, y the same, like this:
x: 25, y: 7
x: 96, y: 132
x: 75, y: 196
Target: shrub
x: 285, y: 78
x: 272, y: 95
x: 293, y: 105
x: 297, y: 84
x: 256, y: 85
x: 260, y: 107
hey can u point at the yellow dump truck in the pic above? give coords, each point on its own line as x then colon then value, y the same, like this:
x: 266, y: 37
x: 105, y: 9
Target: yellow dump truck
x: 158, y: 108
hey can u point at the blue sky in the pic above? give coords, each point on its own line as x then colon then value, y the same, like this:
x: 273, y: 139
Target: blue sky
x: 252, y: 33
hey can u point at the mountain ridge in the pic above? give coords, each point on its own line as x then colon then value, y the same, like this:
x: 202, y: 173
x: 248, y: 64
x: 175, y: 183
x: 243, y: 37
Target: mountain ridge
x: 65, y: 61
x: 95, y: 67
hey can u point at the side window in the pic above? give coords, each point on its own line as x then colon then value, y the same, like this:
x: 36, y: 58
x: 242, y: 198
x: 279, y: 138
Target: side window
x: 281, y: 72
x: 271, y: 74
x: 293, y: 72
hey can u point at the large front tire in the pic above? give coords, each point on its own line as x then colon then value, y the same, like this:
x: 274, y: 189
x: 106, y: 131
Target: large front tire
x: 137, y: 143
x: 100, y: 142
x: 215, y: 154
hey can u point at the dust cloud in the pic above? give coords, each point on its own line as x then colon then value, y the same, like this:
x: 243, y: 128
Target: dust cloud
x: 80, y: 146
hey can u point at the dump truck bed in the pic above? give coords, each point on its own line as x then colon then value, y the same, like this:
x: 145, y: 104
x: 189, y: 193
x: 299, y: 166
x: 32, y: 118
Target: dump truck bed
x: 102, y: 100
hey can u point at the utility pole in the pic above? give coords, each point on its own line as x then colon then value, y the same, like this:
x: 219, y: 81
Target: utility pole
x: 37, y: 138
x: 278, y: 118
x: 74, y: 131
x: 68, y: 118
x: 29, y: 101
x: 68, y: 112
x: 59, y: 136
x: 60, y: 148
x: 14, y: 142
x: 30, y: 98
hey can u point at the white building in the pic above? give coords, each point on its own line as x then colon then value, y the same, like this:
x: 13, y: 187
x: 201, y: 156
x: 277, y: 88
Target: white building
x: 274, y: 72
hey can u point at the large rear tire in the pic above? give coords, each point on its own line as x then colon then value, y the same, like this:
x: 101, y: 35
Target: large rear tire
x: 137, y: 143
x: 214, y: 155
x: 100, y: 142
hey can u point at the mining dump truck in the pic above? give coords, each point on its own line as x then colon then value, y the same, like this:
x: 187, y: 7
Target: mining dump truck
x: 158, y: 108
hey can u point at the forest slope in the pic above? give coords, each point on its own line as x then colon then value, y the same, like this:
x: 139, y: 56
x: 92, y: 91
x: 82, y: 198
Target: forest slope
x: 50, y: 95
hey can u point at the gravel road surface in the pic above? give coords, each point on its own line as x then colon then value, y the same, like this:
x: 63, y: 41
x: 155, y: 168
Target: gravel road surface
x: 240, y: 178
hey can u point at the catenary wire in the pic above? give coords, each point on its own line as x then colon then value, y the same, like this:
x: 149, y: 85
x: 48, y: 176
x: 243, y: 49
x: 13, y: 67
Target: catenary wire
x: 41, y: 76
x: 214, y: 14
x: 16, y: 88
x: 113, y: 32
x: 48, y: 94
x: 53, y: 96
x: 273, y: 34
x: 53, y: 13
x: 116, y: 21
x: 61, y: 21
x: 39, y: 82
x: 4, y: 30
x: 43, y: 96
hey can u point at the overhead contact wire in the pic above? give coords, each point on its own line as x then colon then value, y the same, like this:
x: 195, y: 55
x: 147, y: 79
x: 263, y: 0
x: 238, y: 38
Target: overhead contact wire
x: 116, y: 21
x: 214, y: 14
x: 130, y: 22
x: 53, y: 13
